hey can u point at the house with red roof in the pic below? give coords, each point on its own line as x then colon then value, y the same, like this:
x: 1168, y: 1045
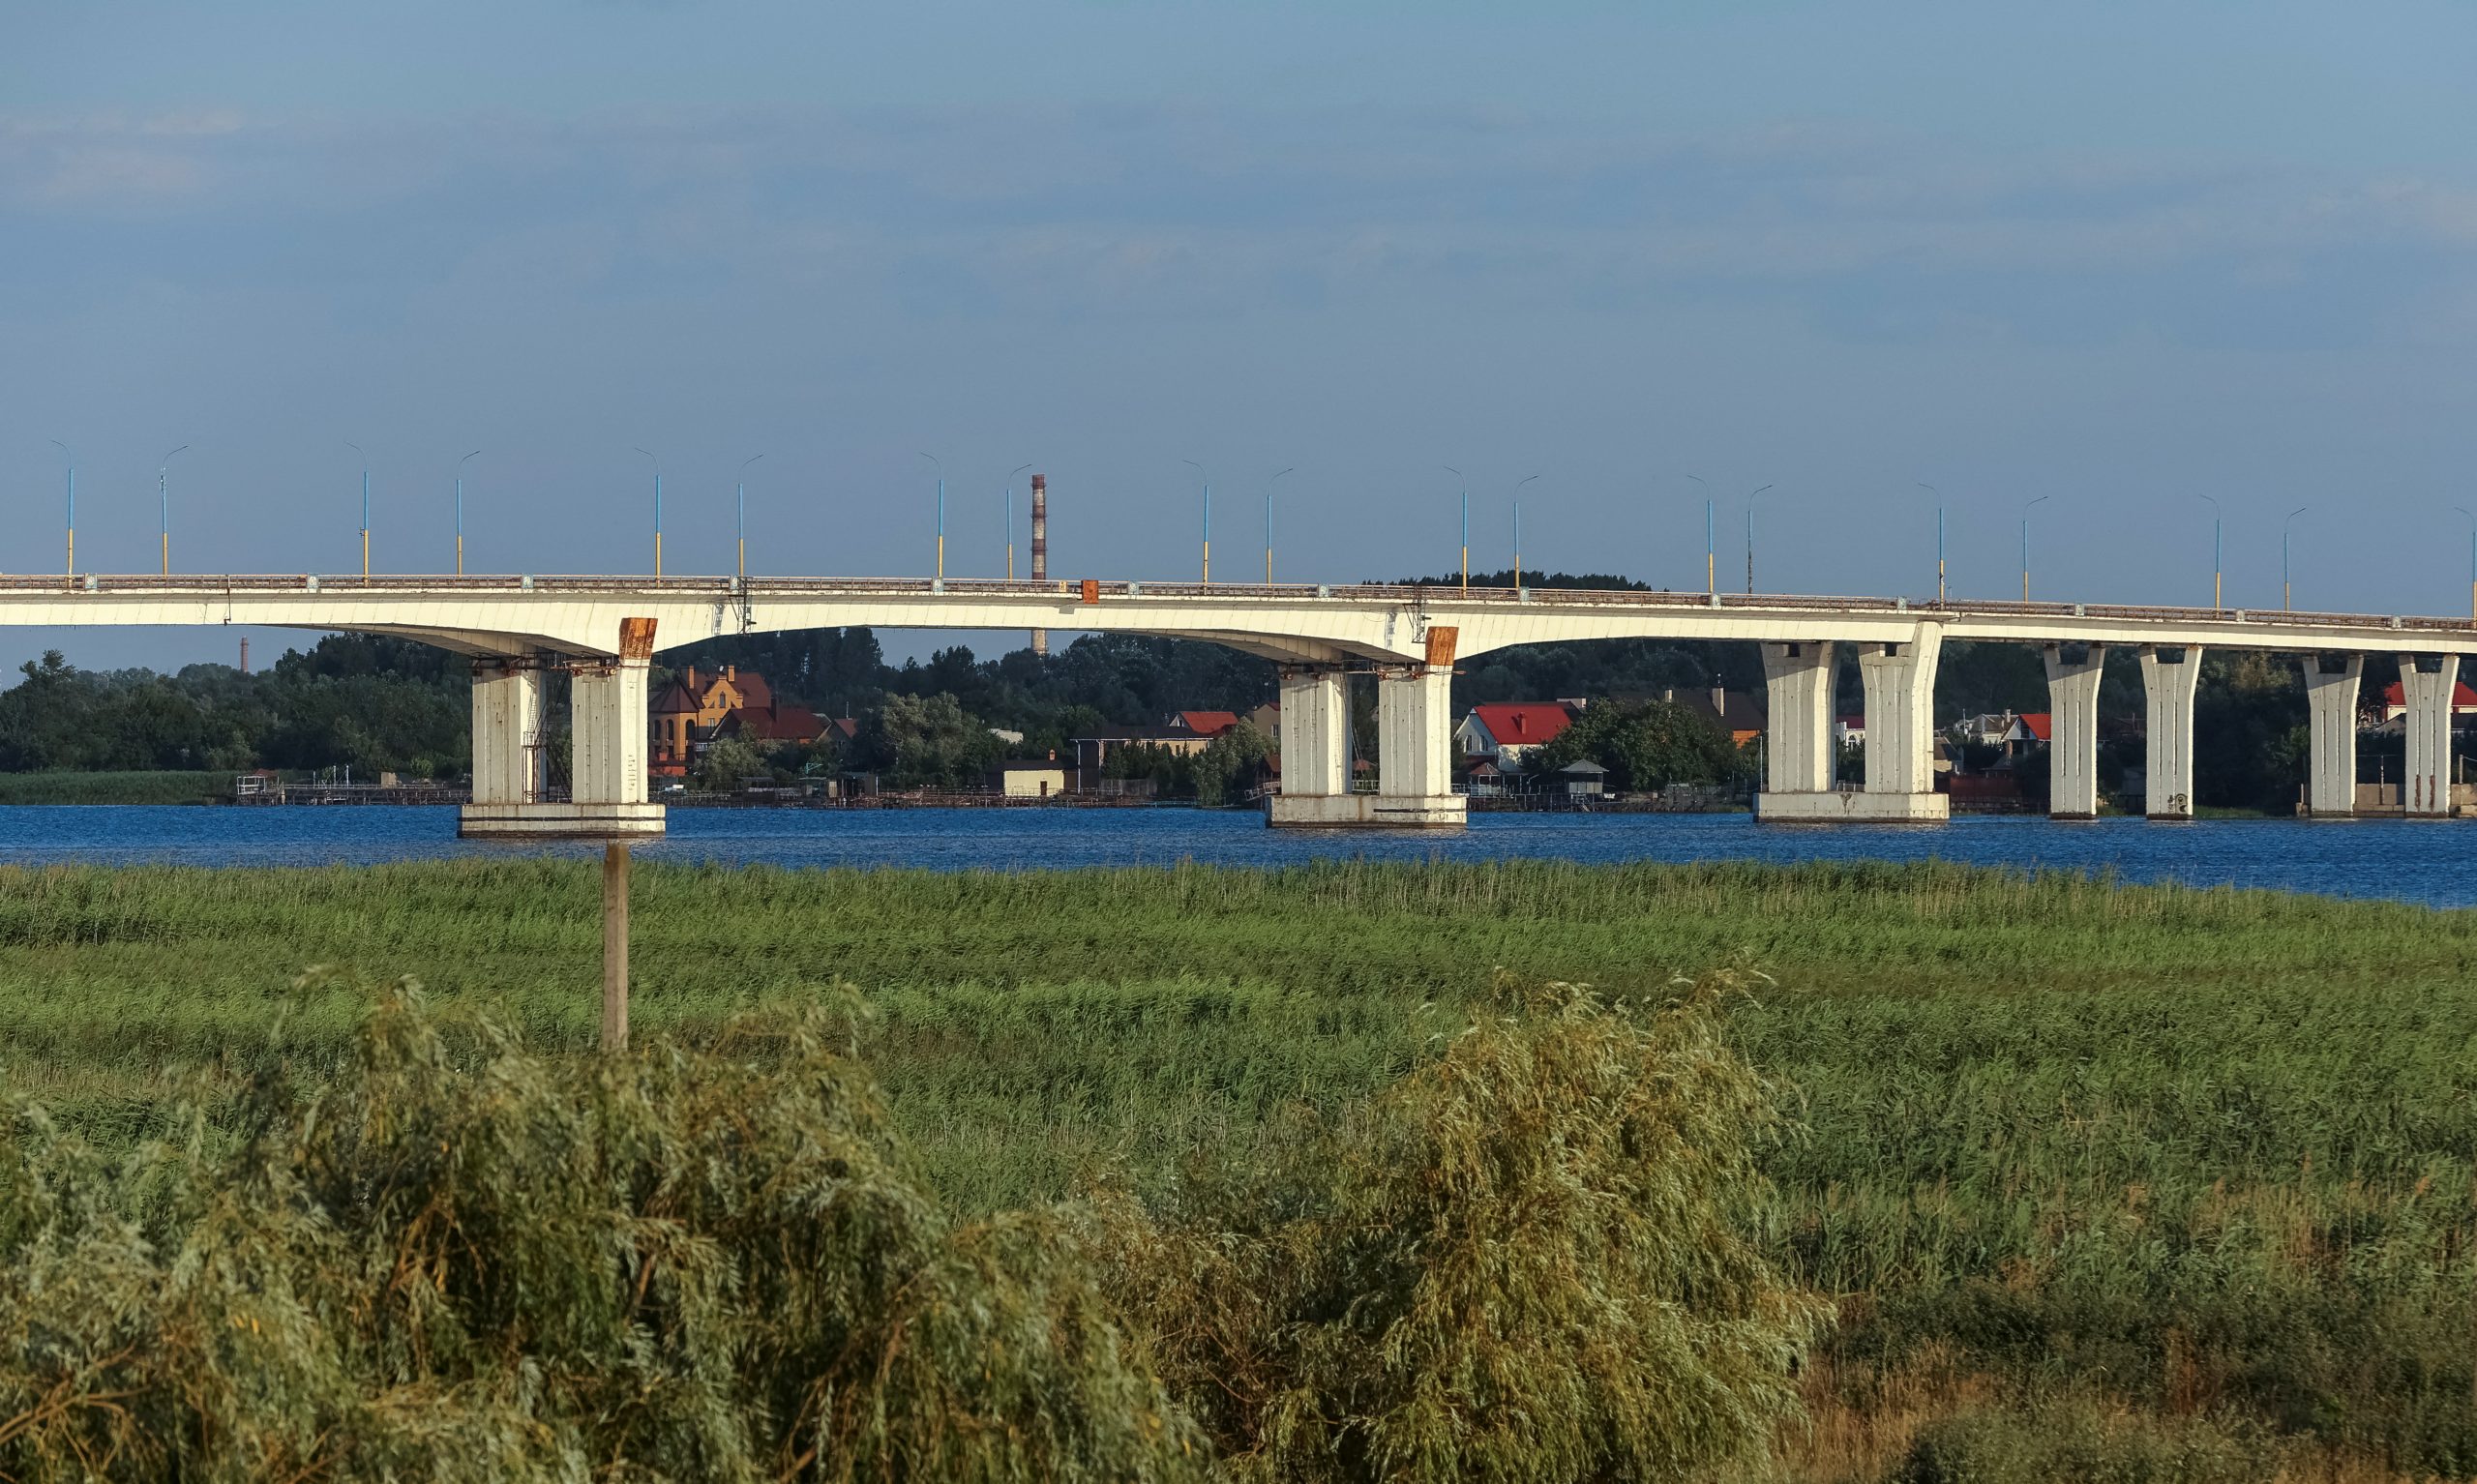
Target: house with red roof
x: 1201, y: 724
x: 2395, y: 702
x: 695, y: 709
x: 1504, y: 731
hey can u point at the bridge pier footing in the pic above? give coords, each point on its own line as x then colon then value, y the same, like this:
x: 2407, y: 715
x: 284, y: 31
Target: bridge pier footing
x: 1851, y: 806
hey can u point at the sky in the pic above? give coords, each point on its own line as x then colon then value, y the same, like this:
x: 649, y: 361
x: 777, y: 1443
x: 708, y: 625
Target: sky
x: 2122, y: 260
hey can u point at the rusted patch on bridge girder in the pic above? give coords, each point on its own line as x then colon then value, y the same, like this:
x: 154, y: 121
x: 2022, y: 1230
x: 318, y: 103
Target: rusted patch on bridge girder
x: 636, y: 639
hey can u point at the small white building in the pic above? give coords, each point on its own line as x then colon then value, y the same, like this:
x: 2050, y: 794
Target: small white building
x: 1039, y: 778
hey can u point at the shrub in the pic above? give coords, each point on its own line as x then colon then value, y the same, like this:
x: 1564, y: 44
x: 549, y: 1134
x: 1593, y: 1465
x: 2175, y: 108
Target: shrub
x: 494, y: 1265
x: 1533, y: 1260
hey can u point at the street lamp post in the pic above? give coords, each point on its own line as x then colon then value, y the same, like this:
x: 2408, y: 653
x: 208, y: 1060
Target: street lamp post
x: 2285, y: 525
x: 1466, y: 522
x: 460, y: 515
x: 657, y: 464
x: 1010, y: 519
x: 1710, y: 568
x: 2472, y: 558
x: 941, y: 516
x: 1206, y: 480
x: 365, y: 508
x: 164, y: 493
x: 1518, y: 529
x: 1939, y: 539
x: 739, y: 514
x: 1268, y: 524
x: 71, y: 572
x: 2025, y: 543
x: 2217, y: 551
x: 1749, y: 538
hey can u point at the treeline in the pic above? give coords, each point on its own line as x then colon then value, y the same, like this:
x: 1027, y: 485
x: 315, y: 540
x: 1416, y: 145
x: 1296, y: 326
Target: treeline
x: 370, y: 702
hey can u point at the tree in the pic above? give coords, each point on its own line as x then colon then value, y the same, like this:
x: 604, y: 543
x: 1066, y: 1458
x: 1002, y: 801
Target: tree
x: 1644, y: 745
x: 932, y: 743
x: 1231, y: 762
x: 729, y: 763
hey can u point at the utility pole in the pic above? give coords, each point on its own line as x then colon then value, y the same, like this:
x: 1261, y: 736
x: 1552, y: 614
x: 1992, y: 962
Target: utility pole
x: 365, y: 509
x: 1269, y: 526
x: 460, y: 515
x: 2284, y: 590
x: 657, y: 464
x: 1208, y: 514
x: 71, y: 572
x: 164, y: 492
x: 1010, y: 519
x: 740, y: 516
x: 1939, y: 539
x: 2025, y: 544
x: 941, y: 467
x: 1711, y: 566
x: 1518, y: 529
x: 2216, y: 552
x: 1749, y: 538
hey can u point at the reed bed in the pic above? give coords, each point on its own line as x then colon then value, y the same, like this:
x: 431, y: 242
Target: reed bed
x: 2197, y: 1167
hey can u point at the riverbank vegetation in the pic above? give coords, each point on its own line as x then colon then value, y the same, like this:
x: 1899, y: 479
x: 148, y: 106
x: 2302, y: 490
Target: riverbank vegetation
x: 2095, y: 1176
x: 134, y: 786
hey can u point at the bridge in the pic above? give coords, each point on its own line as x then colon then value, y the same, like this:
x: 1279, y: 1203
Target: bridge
x: 603, y: 632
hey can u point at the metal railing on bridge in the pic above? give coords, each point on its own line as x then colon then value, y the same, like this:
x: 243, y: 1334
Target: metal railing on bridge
x: 730, y: 589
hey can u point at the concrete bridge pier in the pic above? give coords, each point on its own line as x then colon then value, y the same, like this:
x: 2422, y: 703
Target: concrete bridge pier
x: 1414, y: 751
x: 1798, y: 752
x: 2427, y: 682
x: 1901, y: 728
x: 1315, y: 750
x: 1900, y: 743
x: 2330, y: 703
x: 507, y: 730
x: 2073, y: 672
x: 606, y: 776
x: 2168, y: 675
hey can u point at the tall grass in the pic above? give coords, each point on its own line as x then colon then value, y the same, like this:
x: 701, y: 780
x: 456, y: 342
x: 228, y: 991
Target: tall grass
x: 2200, y: 1153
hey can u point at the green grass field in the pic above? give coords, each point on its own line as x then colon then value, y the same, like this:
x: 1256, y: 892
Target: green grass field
x: 2184, y: 1181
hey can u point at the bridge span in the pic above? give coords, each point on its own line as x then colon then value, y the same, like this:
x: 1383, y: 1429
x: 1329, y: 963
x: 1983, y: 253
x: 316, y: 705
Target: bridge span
x: 604, y: 630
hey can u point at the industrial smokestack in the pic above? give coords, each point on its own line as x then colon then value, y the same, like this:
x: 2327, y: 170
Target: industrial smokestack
x: 1040, y: 549
x: 245, y: 654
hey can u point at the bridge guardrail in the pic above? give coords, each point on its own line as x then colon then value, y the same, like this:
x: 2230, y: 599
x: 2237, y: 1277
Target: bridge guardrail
x: 729, y: 589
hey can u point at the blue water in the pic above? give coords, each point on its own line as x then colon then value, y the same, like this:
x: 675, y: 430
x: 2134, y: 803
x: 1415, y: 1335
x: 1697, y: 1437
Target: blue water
x: 2434, y: 862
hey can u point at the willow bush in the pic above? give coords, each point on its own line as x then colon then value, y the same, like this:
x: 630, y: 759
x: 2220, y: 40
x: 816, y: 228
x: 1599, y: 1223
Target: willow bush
x: 492, y: 1265
x: 452, y: 1258
x: 1534, y: 1258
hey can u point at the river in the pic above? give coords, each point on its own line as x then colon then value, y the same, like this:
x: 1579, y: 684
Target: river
x: 2433, y: 861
